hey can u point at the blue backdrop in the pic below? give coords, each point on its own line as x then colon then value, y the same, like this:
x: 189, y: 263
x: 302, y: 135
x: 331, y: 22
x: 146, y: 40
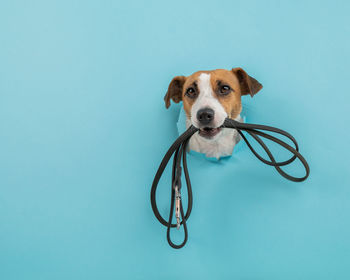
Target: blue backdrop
x: 83, y: 129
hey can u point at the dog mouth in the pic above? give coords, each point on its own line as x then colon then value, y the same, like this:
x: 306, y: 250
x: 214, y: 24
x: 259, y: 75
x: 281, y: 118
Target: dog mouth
x: 209, y: 132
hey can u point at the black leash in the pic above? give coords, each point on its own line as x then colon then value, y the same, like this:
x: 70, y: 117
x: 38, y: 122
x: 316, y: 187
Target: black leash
x: 178, y: 148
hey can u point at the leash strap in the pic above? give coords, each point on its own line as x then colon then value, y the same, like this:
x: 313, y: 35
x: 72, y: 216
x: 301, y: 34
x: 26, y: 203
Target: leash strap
x: 178, y: 151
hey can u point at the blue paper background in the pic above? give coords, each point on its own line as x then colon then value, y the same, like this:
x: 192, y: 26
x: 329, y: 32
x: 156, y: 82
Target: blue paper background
x: 83, y: 129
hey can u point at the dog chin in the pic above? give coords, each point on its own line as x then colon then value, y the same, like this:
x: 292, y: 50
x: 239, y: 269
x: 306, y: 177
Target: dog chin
x: 210, y: 133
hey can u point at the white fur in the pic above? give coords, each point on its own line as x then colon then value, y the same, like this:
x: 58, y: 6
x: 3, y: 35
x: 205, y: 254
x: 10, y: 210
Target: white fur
x: 221, y: 144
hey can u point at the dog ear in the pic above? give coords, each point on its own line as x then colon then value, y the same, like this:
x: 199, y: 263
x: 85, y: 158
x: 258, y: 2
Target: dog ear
x: 248, y: 84
x: 174, y: 90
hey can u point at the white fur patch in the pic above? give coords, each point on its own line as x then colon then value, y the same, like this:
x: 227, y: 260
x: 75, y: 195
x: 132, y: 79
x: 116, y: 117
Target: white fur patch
x: 206, y: 99
x: 220, y: 146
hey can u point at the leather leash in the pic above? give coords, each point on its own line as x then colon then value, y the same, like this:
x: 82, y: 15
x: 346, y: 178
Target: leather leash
x: 178, y: 149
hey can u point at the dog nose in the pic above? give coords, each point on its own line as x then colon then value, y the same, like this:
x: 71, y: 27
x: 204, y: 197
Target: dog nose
x: 205, y: 116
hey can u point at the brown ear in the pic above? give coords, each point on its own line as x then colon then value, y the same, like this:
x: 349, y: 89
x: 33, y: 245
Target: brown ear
x: 248, y: 84
x: 174, y: 90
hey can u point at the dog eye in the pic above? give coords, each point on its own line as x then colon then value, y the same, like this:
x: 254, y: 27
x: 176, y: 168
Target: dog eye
x: 190, y: 92
x: 225, y: 89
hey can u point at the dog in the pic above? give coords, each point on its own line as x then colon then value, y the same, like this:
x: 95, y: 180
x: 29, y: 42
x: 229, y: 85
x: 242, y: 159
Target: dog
x: 208, y: 98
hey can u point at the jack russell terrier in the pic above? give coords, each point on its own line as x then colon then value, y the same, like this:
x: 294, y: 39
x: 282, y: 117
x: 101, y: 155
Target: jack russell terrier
x: 208, y: 98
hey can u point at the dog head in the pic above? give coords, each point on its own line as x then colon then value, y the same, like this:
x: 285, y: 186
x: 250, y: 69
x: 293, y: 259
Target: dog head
x: 211, y: 96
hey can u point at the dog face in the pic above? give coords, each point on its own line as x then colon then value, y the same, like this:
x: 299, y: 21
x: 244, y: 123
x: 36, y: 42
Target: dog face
x: 211, y: 96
